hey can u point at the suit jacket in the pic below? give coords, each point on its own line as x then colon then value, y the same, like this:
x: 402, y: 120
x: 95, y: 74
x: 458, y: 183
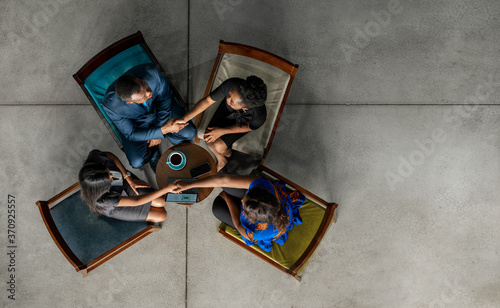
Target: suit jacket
x: 135, y: 121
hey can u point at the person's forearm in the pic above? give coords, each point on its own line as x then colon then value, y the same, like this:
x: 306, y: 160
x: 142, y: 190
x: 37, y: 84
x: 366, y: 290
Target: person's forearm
x: 218, y: 180
x: 235, y: 211
x: 235, y: 129
x: 145, y: 198
x: 222, y: 180
x: 198, y: 108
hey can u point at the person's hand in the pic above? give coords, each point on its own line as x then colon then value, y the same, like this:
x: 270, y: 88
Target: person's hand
x: 180, y: 121
x: 180, y: 186
x: 136, y: 183
x: 171, y: 187
x: 153, y: 142
x: 172, y: 127
x: 212, y: 134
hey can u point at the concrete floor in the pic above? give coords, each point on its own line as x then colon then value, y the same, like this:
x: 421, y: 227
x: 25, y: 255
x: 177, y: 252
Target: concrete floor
x: 394, y: 115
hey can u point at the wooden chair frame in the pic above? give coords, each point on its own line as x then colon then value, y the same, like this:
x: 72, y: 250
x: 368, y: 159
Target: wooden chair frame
x: 328, y: 217
x: 84, y: 269
x: 257, y: 54
x: 109, y: 53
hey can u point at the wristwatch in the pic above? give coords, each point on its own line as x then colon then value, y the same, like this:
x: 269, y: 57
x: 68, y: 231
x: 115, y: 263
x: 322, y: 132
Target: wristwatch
x: 127, y: 175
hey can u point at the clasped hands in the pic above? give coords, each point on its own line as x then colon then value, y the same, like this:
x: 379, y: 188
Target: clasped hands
x: 178, y: 186
x: 173, y: 125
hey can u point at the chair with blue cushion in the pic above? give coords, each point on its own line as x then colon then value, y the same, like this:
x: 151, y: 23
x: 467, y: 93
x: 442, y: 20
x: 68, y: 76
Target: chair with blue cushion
x: 103, y: 69
x: 292, y: 257
x: 88, y: 240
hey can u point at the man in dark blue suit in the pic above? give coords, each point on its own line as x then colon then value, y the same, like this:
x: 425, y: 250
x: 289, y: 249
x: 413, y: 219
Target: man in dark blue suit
x: 140, y: 104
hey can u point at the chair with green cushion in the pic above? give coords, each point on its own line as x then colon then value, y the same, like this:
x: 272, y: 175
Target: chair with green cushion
x: 302, y: 240
x: 88, y: 240
x: 103, y: 69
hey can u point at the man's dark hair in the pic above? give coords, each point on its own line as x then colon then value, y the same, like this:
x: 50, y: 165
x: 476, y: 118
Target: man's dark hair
x: 253, y: 92
x: 126, y: 86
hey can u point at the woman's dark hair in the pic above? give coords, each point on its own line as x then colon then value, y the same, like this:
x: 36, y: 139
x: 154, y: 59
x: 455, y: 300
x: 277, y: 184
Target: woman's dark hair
x: 126, y: 86
x: 94, y: 183
x: 263, y: 206
x: 253, y: 92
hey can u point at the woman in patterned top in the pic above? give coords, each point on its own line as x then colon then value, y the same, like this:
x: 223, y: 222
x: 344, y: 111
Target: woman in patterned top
x: 264, y: 214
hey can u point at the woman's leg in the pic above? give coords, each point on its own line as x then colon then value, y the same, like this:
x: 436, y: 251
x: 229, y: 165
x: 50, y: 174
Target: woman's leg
x: 158, y: 202
x: 221, y: 211
x: 221, y: 152
x: 222, y: 146
x: 156, y: 214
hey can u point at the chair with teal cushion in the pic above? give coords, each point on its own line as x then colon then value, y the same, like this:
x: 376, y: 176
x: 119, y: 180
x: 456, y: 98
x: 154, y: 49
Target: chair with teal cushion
x: 102, y: 70
x: 88, y: 240
x: 302, y: 241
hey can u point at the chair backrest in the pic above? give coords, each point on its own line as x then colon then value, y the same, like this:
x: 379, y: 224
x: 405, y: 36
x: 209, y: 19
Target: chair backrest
x: 87, y: 240
x: 237, y: 60
x: 103, y: 69
x: 302, y: 240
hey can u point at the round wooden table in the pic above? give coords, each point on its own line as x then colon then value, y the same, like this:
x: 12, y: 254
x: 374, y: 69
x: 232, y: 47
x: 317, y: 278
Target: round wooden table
x: 195, y: 156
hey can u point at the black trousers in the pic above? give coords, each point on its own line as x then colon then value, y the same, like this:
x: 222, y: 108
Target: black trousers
x: 220, y: 208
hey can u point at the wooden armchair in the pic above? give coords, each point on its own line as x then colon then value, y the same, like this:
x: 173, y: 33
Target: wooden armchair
x: 237, y: 60
x: 103, y: 69
x: 302, y: 241
x: 86, y: 239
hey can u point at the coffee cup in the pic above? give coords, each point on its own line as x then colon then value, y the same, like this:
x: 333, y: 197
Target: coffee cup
x: 176, y: 160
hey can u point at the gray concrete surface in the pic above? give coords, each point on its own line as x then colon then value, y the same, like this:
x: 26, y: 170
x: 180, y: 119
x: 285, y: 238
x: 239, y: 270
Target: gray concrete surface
x: 359, y: 52
x: 385, y: 124
x: 50, y: 40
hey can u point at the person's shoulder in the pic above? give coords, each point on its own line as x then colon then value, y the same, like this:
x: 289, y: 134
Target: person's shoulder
x: 97, y: 156
x: 229, y: 84
x: 261, y: 181
x: 260, y: 110
x: 112, y: 101
x: 96, y: 152
x: 108, y: 201
x: 148, y: 70
x: 234, y: 80
x: 142, y: 71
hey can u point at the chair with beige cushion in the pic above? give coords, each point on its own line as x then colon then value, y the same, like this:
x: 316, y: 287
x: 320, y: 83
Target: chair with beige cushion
x: 237, y: 60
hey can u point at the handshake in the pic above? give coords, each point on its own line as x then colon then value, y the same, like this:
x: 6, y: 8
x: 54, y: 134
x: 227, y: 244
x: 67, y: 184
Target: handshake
x: 178, y: 186
x: 173, y: 125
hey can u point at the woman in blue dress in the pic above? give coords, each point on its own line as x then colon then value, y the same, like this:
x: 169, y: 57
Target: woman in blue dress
x: 262, y: 210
